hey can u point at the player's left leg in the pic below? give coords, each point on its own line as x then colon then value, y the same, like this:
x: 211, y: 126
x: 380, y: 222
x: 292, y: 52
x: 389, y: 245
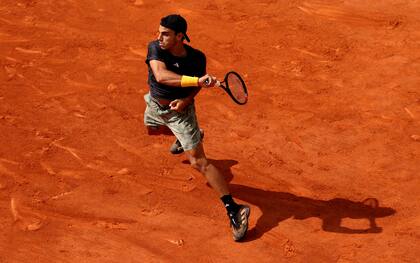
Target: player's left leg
x: 176, y: 147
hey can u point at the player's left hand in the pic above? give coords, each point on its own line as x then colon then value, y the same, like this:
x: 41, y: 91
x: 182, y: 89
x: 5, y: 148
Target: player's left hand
x: 179, y: 104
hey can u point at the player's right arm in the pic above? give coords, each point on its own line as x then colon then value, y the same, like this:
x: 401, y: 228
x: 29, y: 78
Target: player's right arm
x: 170, y: 78
x: 163, y: 75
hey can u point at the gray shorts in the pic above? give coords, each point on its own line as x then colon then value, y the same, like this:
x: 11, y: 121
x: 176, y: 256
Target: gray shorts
x: 183, y: 124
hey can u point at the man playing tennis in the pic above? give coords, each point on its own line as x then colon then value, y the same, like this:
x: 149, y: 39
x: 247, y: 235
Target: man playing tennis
x: 176, y: 74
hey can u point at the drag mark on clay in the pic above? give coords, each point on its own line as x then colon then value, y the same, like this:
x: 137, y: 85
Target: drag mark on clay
x: 68, y: 149
x: 4, y: 39
x: 29, y: 51
x: 38, y: 90
x: 45, y: 70
x: 99, y: 168
x: 7, y: 21
x: 350, y: 16
x: 11, y: 59
x: 27, y: 221
x: 13, y: 209
x: 8, y: 161
x: 307, y: 52
x: 129, y: 148
x: 410, y: 113
x: 31, y: 220
x: 139, y: 2
x: 415, y: 137
x: 174, y: 184
x: 47, y: 168
x: 88, y: 218
x: 178, y: 242
x: 5, y: 171
x: 77, y: 83
x: 322, y: 10
x: 110, y: 225
x: 295, y: 140
x: 79, y: 115
x: 60, y: 195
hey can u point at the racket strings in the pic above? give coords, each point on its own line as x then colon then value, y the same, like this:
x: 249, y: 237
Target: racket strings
x: 237, y: 88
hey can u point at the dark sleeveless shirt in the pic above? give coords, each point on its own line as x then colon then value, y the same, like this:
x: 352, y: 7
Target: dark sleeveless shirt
x: 193, y: 64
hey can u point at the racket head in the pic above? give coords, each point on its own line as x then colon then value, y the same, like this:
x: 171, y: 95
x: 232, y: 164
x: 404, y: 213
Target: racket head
x: 236, y: 88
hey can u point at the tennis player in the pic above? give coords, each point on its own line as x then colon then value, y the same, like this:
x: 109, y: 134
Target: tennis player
x: 177, y: 72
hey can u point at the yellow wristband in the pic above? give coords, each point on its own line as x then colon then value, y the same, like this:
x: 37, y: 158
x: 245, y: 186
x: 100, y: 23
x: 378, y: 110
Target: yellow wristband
x: 187, y: 81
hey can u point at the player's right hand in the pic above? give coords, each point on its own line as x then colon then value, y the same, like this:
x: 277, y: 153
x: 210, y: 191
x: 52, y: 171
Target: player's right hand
x: 207, y: 81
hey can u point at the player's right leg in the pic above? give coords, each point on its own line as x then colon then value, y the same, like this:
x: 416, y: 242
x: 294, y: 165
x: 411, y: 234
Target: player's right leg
x: 152, y: 117
x: 185, y: 128
x: 238, y: 214
x: 199, y: 162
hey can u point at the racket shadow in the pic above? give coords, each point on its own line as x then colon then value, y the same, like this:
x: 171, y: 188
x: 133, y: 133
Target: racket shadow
x: 279, y: 206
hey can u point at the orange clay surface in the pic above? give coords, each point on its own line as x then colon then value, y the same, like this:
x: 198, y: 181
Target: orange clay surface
x: 326, y: 152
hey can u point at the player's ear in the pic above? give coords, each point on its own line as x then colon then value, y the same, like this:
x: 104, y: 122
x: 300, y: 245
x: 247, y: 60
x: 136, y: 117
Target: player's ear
x: 179, y: 36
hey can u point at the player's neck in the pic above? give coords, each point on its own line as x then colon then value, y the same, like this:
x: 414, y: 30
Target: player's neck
x: 179, y: 50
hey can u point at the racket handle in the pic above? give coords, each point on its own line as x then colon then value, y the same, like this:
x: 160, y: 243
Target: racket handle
x: 217, y: 84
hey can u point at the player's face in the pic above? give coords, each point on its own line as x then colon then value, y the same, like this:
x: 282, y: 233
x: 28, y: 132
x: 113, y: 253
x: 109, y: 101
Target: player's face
x: 167, y: 38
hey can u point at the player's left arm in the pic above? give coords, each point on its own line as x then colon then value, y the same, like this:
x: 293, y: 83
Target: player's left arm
x: 180, y: 104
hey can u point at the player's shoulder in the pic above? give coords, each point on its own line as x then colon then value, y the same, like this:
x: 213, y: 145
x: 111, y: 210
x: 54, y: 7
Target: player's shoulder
x: 195, y: 52
x: 154, y: 44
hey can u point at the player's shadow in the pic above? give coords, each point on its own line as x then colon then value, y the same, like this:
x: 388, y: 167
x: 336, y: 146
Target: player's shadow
x: 279, y: 206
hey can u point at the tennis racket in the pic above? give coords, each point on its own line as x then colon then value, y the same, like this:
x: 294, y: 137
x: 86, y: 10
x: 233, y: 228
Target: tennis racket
x: 234, y: 86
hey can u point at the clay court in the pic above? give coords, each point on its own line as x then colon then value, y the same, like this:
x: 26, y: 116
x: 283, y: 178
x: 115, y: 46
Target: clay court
x: 326, y: 152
